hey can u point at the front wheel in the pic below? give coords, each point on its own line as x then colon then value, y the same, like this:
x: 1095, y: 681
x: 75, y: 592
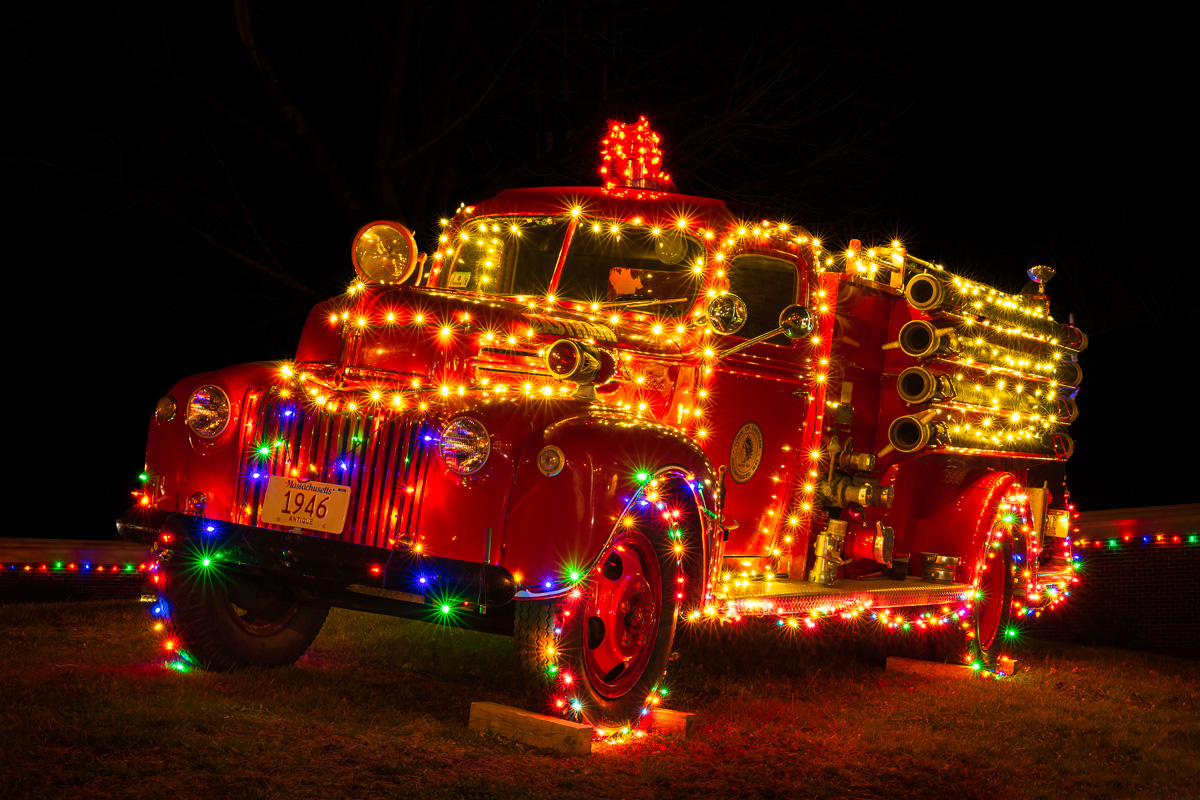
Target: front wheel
x: 600, y: 651
x: 227, y: 618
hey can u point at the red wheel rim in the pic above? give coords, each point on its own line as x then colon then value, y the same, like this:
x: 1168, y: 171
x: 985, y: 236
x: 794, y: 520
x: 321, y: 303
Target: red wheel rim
x: 621, y: 615
x: 990, y: 607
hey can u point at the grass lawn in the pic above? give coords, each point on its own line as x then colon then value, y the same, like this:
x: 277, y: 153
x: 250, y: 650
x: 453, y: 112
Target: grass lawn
x: 379, y: 706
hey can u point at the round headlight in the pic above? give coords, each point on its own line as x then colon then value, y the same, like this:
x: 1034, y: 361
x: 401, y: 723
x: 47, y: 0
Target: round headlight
x: 208, y: 411
x: 384, y: 252
x: 465, y: 445
x: 164, y: 409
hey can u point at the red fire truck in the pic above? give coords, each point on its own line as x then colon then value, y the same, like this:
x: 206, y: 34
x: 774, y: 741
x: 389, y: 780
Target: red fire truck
x: 593, y: 415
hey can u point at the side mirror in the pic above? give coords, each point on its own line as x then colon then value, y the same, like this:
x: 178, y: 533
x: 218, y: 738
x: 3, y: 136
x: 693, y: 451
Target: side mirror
x: 796, y: 322
x: 727, y: 313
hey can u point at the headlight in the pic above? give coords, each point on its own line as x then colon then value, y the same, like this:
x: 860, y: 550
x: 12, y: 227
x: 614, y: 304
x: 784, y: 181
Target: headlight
x: 465, y: 445
x: 208, y: 411
x: 165, y: 408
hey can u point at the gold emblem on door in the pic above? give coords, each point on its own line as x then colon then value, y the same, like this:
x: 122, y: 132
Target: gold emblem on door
x: 746, y: 453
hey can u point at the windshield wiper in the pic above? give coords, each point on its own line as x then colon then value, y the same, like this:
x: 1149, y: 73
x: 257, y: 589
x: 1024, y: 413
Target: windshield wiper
x: 643, y: 302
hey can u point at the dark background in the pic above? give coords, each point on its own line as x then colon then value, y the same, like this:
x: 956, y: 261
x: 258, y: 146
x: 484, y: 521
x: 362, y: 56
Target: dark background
x: 182, y: 184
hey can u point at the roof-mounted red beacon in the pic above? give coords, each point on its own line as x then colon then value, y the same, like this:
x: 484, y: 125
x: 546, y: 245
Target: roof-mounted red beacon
x: 632, y: 157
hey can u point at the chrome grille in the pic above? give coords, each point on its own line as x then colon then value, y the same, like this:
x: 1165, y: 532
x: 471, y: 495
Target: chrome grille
x: 381, y: 457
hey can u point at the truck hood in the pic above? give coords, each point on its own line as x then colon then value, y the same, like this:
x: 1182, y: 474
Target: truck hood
x: 451, y: 339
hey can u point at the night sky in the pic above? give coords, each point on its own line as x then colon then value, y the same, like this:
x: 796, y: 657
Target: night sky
x: 182, y: 183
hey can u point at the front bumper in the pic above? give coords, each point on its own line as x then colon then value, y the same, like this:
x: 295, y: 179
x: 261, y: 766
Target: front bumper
x: 302, y: 557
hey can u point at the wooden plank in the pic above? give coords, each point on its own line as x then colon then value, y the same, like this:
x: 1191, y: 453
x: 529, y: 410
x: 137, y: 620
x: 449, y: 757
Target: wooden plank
x: 909, y: 666
x: 680, y: 723
x: 1007, y: 665
x: 529, y: 728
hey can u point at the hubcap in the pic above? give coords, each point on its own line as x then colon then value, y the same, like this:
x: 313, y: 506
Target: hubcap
x: 624, y: 601
x: 258, y: 608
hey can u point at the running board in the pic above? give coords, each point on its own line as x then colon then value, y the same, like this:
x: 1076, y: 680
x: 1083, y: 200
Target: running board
x: 1061, y: 575
x: 793, y: 596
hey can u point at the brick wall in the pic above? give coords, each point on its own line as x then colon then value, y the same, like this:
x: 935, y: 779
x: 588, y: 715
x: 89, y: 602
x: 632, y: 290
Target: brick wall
x: 1140, y: 582
x: 34, y: 570
x: 18, y: 586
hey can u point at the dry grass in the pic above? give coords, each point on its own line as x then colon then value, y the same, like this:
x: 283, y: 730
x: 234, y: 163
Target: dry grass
x: 379, y: 708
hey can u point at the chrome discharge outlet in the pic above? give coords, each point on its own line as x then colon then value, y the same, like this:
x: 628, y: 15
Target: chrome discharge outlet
x: 828, y: 550
x: 872, y: 543
x: 843, y: 492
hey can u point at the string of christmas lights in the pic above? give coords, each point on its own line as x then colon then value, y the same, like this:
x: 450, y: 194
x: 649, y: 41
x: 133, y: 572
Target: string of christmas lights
x: 1000, y: 373
x: 1158, y: 539
x: 83, y: 567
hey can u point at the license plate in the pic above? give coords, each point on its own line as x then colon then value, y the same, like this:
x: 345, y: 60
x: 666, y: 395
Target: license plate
x: 314, y: 506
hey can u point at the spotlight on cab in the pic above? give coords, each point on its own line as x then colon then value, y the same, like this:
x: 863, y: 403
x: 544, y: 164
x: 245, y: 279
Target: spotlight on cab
x: 384, y: 252
x: 582, y: 363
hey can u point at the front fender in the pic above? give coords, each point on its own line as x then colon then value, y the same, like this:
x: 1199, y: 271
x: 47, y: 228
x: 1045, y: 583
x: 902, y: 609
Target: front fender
x: 180, y: 463
x: 558, y: 525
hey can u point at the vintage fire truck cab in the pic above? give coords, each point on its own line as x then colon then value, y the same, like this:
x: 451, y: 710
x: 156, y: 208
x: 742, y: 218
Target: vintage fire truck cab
x: 591, y: 415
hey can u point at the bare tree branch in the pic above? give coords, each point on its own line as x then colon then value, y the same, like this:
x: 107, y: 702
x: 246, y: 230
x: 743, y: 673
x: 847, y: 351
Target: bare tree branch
x: 277, y: 274
x: 471, y: 111
x: 297, y: 122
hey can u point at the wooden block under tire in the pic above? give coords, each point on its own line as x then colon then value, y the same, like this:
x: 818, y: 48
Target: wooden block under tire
x: 530, y: 728
x: 1007, y: 665
x: 681, y: 723
x: 910, y: 666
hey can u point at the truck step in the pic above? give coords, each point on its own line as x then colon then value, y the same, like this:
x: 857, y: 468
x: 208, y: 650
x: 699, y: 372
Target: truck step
x: 795, y: 596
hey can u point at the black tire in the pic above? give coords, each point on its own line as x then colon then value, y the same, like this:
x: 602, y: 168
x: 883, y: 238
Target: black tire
x: 224, y: 618
x: 599, y: 653
x: 979, y: 638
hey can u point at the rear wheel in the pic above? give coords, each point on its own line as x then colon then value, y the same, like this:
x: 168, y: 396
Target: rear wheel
x: 978, y: 638
x: 230, y: 619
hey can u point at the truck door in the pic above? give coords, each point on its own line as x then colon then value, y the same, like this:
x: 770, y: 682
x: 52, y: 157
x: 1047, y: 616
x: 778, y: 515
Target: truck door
x: 755, y: 405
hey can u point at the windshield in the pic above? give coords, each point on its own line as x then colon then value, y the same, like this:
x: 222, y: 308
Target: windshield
x: 506, y: 255
x: 611, y: 261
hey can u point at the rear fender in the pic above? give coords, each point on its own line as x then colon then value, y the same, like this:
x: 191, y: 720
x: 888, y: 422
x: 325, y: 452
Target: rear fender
x: 957, y: 518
